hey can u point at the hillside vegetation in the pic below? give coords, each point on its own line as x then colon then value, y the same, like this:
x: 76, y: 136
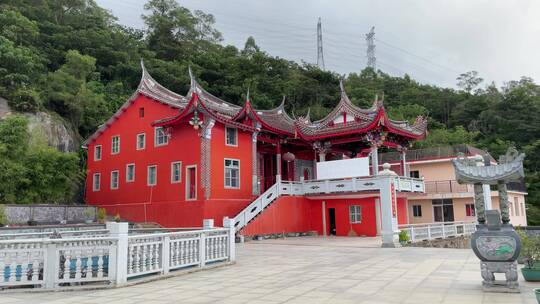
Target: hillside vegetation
x: 72, y: 57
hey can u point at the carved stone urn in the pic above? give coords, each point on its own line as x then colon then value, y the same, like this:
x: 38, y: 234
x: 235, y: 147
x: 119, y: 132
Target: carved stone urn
x: 495, y: 241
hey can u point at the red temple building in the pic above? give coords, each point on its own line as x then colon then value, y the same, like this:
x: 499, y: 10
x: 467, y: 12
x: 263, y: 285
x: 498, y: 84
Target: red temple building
x: 177, y: 160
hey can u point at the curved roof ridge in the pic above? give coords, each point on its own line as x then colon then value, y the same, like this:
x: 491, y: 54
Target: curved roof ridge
x: 150, y: 87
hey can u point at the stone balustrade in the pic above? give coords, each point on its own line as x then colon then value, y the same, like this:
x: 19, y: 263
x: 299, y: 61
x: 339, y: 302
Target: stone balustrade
x: 111, y: 258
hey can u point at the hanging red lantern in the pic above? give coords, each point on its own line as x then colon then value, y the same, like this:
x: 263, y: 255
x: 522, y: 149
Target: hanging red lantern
x: 288, y: 157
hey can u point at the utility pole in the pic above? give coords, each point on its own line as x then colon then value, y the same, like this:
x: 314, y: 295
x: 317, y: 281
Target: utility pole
x: 320, y: 57
x: 370, y: 54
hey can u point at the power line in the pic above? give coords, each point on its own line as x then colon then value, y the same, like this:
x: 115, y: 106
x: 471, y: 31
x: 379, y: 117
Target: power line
x: 417, y: 56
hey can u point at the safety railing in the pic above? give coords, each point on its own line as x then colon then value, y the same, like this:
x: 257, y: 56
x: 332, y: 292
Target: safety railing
x: 447, y: 186
x: 431, y: 231
x: 314, y: 187
x: 111, y: 259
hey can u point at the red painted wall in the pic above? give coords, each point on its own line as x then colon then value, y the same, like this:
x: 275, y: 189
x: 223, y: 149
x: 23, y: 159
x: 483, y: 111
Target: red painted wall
x: 166, y: 202
x: 366, y: 228
x: 298, y: 214
x: 219, y: 152
x: 286, y: 214
x: 402, y: 211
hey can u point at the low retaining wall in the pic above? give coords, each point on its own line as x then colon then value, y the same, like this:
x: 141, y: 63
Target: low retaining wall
x: 49, y: 214
x: 459, y: 242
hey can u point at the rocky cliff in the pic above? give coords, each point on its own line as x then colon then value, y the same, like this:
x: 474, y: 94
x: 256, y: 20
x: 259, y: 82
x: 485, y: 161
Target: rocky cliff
x: 57, y: 132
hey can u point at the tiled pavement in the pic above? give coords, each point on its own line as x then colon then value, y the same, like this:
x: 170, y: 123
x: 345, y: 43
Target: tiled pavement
x: 312, y: 270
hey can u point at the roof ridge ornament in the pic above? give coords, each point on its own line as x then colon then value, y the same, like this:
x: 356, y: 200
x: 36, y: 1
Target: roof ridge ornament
x: 191, y: 77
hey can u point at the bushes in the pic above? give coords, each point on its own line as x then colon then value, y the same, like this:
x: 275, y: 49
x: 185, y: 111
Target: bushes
x: 33, y: 172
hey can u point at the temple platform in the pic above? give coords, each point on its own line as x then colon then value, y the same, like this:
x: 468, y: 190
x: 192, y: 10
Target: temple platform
x: 314, y: 270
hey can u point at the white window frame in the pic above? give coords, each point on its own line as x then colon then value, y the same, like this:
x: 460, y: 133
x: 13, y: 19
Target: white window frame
x: 225, y: 173
x: 235, y: 137
x: 148, y: 175
x: 112, y: 145
x: 419, y: 207
x: 143, y: 141
x: 156, y: 144
x: 127, y: 173
x: 94, y: 188
x: 355, y: 214
x: 100, y: 152
x: 516, y: 206
x: 117, y: 179
x: 188, y: 178
x: 179, y: 163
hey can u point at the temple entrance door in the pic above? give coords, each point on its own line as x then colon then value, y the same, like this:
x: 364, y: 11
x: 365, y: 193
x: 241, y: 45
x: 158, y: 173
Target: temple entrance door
x: 268, y: 171
x: 332, y: 220
x: 287, y: 170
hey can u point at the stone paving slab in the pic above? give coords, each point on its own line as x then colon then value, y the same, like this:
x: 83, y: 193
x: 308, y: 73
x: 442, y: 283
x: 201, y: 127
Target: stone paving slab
x: 312, y: 270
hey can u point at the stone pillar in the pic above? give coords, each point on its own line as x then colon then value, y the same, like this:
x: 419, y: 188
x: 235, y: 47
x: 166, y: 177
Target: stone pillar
x: 388, y: 213
x: 378, y: 215
x: 486, y: 189
x: 375, y: 160
x: 479, y: 203
x: 503, y: 202
x: 405, y: 170
x: 254, y: 165
x: 324, y: 217
x: 120, y: 232
x: 322, y: 156
x: 278, y: 159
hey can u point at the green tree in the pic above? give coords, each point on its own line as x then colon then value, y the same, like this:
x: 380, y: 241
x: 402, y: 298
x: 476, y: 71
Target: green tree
x: 468, y: 81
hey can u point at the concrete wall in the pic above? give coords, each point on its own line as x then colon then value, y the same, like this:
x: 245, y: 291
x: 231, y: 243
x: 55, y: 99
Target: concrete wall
x: 21, y: 214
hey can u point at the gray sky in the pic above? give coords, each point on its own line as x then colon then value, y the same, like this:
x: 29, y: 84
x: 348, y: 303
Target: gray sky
x: 433, y: 41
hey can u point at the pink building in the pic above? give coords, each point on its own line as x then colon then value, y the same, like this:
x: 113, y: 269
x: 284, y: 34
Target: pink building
x: 444, y: 199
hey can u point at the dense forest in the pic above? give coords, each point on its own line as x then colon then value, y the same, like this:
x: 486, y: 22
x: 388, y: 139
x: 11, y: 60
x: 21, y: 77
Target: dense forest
x: 73, y: 59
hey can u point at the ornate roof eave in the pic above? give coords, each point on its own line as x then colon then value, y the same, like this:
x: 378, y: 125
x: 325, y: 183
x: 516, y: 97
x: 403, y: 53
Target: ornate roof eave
x: 511, y: 171
x: 403, y: 128
x: 279, y: 111
x: 146, y: 87
x: 345, y: 129
x: 196, y: 104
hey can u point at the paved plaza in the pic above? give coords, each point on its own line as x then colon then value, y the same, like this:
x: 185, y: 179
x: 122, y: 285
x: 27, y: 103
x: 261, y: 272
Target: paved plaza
x: 312, y: 270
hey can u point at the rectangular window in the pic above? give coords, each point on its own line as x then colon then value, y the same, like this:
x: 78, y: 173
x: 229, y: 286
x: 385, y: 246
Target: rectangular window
x: 516, y: 206
x: 176, y: 172
x: 130, y: 173
x: 414, y: 174
x: 96, y: 181
x: 355, y: 214
x: 115, y: 145
x: 151, y: 179
x: 141, y: 141
x: 141, y: 112
x: 231, y: 136
x: 469, y: 210
x: 114, y: 179
x: 511, y: 208
x: 191, y: 184
x: 160, y: 137
x: 522, y: 206
x: 97, y: 152
x: 232, y: 173
x: 417, y: 210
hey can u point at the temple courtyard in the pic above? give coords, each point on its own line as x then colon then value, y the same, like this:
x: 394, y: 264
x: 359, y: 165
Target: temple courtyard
x: 312, y: 270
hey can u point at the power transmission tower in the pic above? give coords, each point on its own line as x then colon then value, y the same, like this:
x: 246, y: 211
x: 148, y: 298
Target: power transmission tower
x: 370, y: 38
x: 320, y: 57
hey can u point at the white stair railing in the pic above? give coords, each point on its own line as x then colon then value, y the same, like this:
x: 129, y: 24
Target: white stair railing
x: 316, y: 187
x: 258, y: 205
